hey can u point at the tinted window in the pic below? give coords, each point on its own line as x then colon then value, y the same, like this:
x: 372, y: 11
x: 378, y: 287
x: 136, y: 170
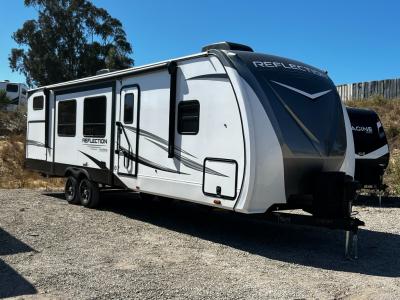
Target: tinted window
x: 66, y: 118
x: 12, y: 88
x: 128, y: 108
x: 38, y: 103
x: 188, y: 117
x: 23, y: 92
x: 94, y: 116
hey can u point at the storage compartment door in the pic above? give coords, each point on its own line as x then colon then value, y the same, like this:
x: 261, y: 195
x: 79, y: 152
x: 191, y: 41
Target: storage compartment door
x: 220, y: 178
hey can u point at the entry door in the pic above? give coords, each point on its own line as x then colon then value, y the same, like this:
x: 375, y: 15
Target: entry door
x: 36, y: 130
x: 127, y: 131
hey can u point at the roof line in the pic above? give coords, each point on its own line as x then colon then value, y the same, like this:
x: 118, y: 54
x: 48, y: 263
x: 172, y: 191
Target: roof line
x: 118, y: 73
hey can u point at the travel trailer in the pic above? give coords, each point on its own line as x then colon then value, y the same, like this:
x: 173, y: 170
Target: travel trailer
x: 228, y: 127
x: 371, y: 147
x: 16, y: 92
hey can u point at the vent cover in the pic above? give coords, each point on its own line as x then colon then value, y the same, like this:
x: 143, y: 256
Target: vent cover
x: 227, y: 46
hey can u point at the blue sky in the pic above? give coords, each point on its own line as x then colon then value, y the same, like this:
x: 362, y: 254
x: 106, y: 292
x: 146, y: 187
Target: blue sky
x: 354, y: 40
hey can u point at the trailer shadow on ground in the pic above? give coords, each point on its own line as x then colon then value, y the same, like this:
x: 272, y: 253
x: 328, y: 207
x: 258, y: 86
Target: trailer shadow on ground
x: 12, y: 284
x: 373, y: 201
x: 307, y: 246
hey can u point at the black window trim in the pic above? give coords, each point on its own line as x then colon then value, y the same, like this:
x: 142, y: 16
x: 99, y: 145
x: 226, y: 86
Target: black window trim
x: 12, y: 84
x: 187, y: 102
x: 133, y: 108
x: 58, y: 112
x: 33, y: 102
x: 105, y: 118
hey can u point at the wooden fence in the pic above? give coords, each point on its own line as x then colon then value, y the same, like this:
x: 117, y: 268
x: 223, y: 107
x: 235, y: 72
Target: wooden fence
x: 388, y: 89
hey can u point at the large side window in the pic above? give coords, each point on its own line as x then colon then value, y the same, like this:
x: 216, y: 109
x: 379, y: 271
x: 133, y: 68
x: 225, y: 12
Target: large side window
x: 66, y: 118
x: 94, y: 116
x: 128, y: 108
x: 38, y: 103
x: 188, y: 117
x: 12, y: 88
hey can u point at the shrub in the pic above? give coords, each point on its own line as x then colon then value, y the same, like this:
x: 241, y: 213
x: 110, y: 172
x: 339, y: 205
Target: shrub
x: 4, y: 100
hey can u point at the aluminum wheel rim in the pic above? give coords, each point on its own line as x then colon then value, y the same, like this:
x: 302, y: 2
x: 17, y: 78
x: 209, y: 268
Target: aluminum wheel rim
x: 84, y: 191
x: 70, y: 190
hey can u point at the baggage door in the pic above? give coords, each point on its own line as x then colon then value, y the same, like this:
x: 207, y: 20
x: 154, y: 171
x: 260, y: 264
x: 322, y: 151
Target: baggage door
x: 127, y: 130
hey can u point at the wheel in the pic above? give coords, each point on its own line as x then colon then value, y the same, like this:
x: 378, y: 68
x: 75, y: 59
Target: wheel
x: 71, y: 190
x: 89, y: 193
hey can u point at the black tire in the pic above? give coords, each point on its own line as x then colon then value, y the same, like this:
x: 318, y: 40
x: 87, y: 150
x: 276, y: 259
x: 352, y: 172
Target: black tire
x: 89, y: 193
x: 71, y: 190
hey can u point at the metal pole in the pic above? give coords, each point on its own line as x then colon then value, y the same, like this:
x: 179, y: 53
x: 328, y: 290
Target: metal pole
x: 380, y: 199
x: 346, y: 245
x: 355, y: 247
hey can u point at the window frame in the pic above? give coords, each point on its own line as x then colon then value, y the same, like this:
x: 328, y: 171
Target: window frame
x: 180, y: 117
x: 58, y: 118
x: 42, y: 102
x: 132, y: 117
x: 105, y: 117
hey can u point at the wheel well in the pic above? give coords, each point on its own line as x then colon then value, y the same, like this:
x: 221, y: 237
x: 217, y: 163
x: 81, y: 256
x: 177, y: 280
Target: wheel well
x: 77, y: 173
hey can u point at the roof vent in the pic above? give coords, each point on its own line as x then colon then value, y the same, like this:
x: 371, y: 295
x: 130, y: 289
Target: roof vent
x: 227, y: 46
x: 103, y: 71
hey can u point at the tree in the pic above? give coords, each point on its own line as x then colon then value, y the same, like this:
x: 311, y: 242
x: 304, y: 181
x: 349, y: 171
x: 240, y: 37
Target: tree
x: 4, y: 100
x: 70, y: 39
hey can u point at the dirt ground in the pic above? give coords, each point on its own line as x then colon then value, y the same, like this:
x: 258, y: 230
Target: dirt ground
x: 131, y: 248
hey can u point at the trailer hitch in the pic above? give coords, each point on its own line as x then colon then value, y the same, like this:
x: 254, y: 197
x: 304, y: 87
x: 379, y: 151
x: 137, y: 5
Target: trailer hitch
x: 349, y: 225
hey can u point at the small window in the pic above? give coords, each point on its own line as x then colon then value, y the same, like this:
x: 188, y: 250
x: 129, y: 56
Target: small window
x: 12, y: 88
x: 188, y: 117
x: 38, y: 103
x: 66, y: 118
x: 94, y: 116
x: 24, y: 92
x: 128, y: 108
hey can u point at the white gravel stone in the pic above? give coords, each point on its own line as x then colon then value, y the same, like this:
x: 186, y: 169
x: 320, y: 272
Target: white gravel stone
x: 130, y: 248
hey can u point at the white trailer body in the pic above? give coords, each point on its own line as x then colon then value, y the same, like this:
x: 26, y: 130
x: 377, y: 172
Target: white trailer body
x: 16, y: 92
x: 226, y: 127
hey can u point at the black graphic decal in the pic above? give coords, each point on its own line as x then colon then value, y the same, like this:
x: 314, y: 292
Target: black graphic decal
x: 35, y: 143
x: 190, y: 163
x: 209, y: 76
x: 101, y: 164
x: 156, y: 138
x: 149, y: 163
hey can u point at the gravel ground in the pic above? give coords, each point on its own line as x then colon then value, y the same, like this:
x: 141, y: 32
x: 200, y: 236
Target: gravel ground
x: 131, y: 248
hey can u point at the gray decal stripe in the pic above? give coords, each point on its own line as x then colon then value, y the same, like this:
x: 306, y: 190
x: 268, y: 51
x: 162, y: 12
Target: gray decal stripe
x: 209, y: 76
x: 35, y: 143
x: 15, y: 100
x: 101, y: 164
x: 150, y: 164
x: 295, y: 118
x: 308, y: 95
x: 190, y: 163
x: 156, y: 138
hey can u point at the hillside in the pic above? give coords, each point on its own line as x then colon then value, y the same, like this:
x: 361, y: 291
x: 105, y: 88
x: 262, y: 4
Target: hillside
x: 12, y: 137
x: 12, y: 154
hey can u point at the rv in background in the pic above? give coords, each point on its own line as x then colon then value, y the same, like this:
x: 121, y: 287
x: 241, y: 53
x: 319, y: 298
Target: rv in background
x: 371, y: 147
x: 16, y: 92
